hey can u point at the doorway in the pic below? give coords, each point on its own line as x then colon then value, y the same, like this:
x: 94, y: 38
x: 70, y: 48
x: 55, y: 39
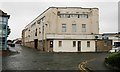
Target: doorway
x: 79, y: 46
x: 36, y: 43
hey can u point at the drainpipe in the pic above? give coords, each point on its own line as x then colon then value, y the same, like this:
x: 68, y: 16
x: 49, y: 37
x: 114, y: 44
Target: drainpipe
x: 96, y: 37
x: 42, y: 34
x: 96, y: 45
x: 46, y: 46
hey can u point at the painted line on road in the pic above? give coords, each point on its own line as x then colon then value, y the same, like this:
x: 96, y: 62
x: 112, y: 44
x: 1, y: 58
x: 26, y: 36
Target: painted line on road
x: 81, y: 65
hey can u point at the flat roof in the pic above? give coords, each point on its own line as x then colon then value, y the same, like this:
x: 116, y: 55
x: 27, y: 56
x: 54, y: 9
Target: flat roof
x: 74, y: 7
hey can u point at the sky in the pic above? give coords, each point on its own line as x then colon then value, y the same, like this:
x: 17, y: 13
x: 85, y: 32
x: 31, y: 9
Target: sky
x: 22, y: 13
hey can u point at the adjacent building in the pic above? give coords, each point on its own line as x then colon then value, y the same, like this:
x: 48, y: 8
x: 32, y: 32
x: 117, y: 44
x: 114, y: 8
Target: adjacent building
x: 17, y: 41
x: 3, y: 29
x: 65, y: 29
x: 115, y: 37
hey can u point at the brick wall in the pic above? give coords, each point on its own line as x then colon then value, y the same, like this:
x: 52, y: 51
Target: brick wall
x: 104, y: 45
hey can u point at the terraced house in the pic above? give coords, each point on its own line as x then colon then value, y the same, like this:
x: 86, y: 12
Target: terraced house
x: 3, y: 29
x: 65, y: 29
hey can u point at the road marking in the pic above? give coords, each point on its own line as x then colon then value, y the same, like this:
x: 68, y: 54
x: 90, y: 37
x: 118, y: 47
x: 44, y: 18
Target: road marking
x: 81, y: 65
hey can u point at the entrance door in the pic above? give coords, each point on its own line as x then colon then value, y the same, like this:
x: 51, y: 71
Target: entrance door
x: 79, y: 45
x: 35, y: 43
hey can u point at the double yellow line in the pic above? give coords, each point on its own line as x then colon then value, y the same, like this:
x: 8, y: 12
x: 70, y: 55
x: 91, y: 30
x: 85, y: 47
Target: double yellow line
x: 81, y: 66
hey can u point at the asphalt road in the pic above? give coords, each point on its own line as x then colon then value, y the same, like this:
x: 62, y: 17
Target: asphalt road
x: 32, y: 59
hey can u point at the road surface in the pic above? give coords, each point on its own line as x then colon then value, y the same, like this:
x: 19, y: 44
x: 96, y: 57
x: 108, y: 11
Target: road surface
x: 32, y: 59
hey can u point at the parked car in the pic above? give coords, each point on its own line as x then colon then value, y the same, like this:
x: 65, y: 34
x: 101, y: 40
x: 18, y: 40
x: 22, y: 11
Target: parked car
x: 11, y: 44
x: 115, y: 49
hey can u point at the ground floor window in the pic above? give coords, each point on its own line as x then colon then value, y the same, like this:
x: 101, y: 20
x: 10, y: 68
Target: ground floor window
x: 88, y: 43
x: 74, y: 43
x: 60, y: 43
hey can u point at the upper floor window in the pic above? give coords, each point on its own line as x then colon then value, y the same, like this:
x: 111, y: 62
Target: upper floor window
x: 63, y: 27
x: 33, y: 24
x: 84, y: 15
x: 39, y: 21
x: 43, y: 18
x: 3, y: 19
x: 73, y: 15
x: 73, y: 27
x: 83, y: 27
x: 0, y: 19
x: 3, y: 26
x: 36, y: 32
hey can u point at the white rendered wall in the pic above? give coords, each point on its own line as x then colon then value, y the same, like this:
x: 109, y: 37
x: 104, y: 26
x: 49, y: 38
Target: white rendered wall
x: 84, y: 47
x: 67, y: 46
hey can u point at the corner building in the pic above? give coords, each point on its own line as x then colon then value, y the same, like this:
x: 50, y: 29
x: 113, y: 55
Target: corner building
x: 63, y: 29
x: 3, y: 30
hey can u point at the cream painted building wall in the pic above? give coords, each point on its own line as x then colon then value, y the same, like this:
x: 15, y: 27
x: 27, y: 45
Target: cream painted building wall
x: 67, y: 46
x: 92, y: 25
x: 51, y: 22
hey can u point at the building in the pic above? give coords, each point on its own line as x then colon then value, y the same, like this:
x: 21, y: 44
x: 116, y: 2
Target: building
x: 115, y: 37
x: 64, y: 29
x: 17, y: 41
x: 3, y: 29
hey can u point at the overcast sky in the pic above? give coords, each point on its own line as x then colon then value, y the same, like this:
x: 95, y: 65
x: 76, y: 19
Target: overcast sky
x: 22, y: 13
